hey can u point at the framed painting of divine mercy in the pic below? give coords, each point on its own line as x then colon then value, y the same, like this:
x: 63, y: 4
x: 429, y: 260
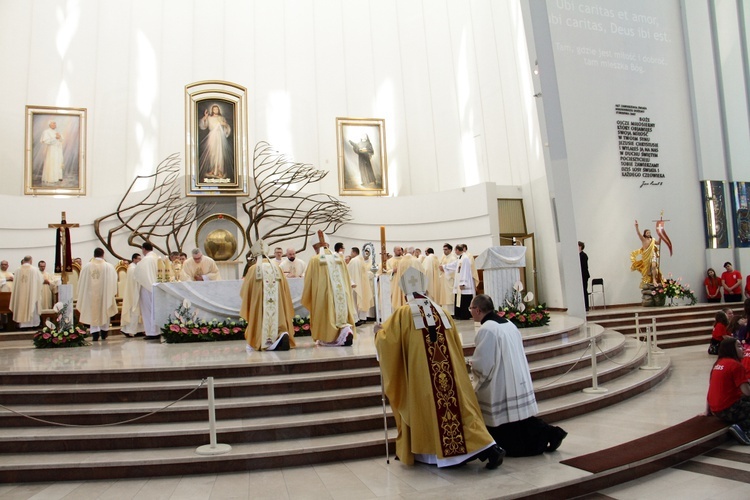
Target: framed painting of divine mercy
x: 216, y: 139
x: 363, y: 169
x: 55, y: 151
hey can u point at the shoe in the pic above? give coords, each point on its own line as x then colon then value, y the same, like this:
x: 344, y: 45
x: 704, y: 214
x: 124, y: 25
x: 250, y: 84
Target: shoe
x: 283, y: 344
x: 359, y: 323
x: 95, y: 337
x: 349, y: 340
x: 140, y: 334
x: 105, y: 334
x: 736, y: 431
x: 152, y: 337
x: 128, y: 335
x: 557, y: 440
x: 494, y: 457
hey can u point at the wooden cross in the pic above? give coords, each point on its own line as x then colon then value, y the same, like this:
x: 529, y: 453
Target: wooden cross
x: 62, y: 225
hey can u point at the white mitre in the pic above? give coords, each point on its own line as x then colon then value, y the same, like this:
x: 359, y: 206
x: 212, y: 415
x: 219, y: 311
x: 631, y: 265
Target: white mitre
x: 414, y: 283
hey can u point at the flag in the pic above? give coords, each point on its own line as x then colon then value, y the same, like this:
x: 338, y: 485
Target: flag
x: 663, y: 235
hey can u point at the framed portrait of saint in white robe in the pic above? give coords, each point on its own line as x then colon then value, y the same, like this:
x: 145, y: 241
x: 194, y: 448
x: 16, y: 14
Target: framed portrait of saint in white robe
x: 216, y: 139
x: 55, y: 151
x: 363, y: 167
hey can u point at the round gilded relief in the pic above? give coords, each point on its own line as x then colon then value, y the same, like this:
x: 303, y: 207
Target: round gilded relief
x: 220, y: 244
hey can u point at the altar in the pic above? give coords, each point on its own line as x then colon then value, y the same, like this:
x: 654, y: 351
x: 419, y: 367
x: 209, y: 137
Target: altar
x: 502, y: 269
x: 211, y: 299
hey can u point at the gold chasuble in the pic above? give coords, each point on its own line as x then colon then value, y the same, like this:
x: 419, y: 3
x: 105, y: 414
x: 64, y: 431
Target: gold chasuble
x: 642, y: 260
x: 327, y: 295
x: 428, y: 386
x: 266, y: 306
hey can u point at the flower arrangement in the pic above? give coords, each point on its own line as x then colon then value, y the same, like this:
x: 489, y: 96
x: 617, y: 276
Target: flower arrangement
x: 301, y: 326
x: 675, y: 290
x: 64, y: 333
x: 185, y: 326
x: 523, y: 316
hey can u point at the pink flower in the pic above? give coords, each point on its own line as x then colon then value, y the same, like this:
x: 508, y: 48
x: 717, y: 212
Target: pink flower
x: 46, y: 336
x: 501, y: 313
x: 296, y: 328
x: 522, y: 319
x: 183, y: 330
x: 306, y: 326
x: 225, y: 330
x: 73, y: 336
x: 174, y: 328
x: 196, y: 331
x: 215, y: 330
x: 236, y: 329
x: 204, y: 330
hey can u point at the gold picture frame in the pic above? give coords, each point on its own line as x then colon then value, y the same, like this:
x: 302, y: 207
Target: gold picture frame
x: 216, y: 139
x: 362, y: 161
x: 55, y: 151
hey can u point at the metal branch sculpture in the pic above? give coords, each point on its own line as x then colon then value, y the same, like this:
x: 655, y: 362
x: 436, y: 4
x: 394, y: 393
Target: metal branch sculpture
x: 279, y: 205
x: 161, y: 217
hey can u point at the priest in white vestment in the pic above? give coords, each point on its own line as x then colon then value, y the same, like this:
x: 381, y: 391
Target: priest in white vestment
x: 504, y: 388
x: 27, y: 291
x: 293, y: 266
x: 49, y: 287
x: 464, y: 287
x: 200, y: 268
x: 97, y: 292
x: 130, y: 319
x: 146, y: 275
x: 6, y: 277
x: 447, y: 299
x: 361, y: 291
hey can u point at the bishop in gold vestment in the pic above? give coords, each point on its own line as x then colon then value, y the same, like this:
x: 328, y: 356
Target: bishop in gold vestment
x: 428, y: 386
x: 327, y: 295
x: 267, y: 305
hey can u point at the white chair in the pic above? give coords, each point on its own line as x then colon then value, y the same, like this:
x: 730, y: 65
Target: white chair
x: 594, y: 283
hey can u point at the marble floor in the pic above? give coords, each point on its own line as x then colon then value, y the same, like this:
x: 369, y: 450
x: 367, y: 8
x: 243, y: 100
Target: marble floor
x: 679, y: 397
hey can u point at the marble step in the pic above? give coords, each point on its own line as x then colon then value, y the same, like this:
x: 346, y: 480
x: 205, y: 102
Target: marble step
x: 193, y: 433
x: 35, y: 467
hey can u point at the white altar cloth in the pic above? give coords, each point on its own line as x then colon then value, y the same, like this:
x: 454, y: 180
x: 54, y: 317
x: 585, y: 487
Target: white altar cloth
x: 502, y: 269
x: 211, y: 299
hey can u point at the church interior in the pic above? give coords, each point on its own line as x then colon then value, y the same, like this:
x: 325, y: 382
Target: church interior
x: 484, y: 124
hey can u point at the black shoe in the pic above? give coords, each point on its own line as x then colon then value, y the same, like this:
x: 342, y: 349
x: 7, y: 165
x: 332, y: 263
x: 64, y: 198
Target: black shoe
x: 140, y: 334
x: 359, y: 323
x: 105, y: 334
x: 95, y: 337
x: 152, y: 337
x: 283, y: 344
x: 128, y: 335
x: 494, y: 456
x: 349, y: 340
x: 557, y: 440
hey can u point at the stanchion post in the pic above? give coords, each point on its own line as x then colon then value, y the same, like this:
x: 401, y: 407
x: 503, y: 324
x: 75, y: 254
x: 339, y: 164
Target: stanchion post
x: 651, y: 345
x: 594, y: 389
x: 213, y: 448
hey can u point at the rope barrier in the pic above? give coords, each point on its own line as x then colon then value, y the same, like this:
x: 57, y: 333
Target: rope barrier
x: 203, y: 381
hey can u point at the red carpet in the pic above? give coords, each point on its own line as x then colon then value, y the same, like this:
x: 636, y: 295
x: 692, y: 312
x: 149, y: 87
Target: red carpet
x: 647, y: 446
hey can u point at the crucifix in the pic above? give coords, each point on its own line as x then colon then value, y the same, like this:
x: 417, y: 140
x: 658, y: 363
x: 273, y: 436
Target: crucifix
x: 62, y: 245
